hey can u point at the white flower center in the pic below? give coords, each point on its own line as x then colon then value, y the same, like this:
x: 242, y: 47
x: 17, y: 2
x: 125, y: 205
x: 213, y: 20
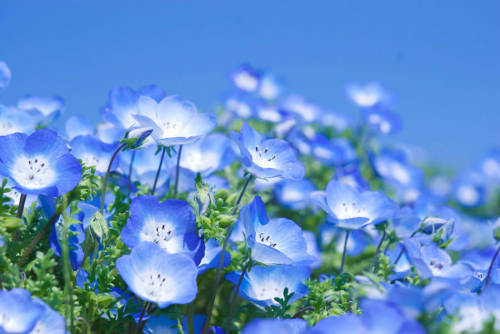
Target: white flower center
x: 155, y: 286
x: 263, y: 157
x: 265, y: 239
x: 34, y: 172
x: 158, y: 233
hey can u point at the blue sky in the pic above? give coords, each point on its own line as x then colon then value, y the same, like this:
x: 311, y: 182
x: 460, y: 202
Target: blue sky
x: 441, y: 59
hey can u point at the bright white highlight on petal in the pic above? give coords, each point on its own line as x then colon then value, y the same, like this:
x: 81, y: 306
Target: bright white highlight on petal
x: 33, y: 172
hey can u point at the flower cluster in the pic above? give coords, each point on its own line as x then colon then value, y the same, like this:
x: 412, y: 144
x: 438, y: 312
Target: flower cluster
x: 273, y: 215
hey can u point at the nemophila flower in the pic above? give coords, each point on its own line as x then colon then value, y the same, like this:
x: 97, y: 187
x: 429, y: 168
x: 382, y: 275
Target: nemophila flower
x: 240, y: 106
x: 294, y: 194
x: 94, y: 153
x: 368, y: 95
x: 123, y: 104
x: 167, y: 325
x: 337, y: 121
x: 337, y: 151
x: 211, y: 259
x: 489, y: 166
x: 351, y: 209
x: 5, y: 75
x: 109, y: 132
x: 14, y: 120
x: 266, y: 239
x: 174, y: 121
x: 313, y: 249
x: 270, y: 113
x: 377, y: 317
x: 301, y: 109
x: 144, y: 167
x: 267, y: 158
x: 170, y: 224
x: 208, y: 155
x: 469, y: 191
x: 275, y: 326
x: 18, y: 312
x: 156, y: 276
x: 382, y: 120
x: 270, y: 87
x: 39, y: 163
x: 262, y: 284
x: 46, y: 109
x: 351, y: 175
x: 78, y: 126
x: 356, y: 244
x: 49, y: 322
x: 246, y: 79
x: 428, y: 259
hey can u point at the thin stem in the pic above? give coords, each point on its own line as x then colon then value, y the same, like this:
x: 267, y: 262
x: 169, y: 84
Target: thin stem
x: 403, y: 248
x: 45, y: 230
x: 140, y: 323
x: 190, y: 317
x: 176, y: 185
x: 235, y: 295
x: 20, y: 207
x: 491, y: 268
x: 221, y: 260
x: 158, y: 171
x: 375, y: 256
x: 68, y: 271
x: 129, y: 184
x: 106, y: 177
x: 300, y: 313
x: 344, y: 251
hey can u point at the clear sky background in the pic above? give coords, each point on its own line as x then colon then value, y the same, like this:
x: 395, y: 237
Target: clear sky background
x: 441, y: 59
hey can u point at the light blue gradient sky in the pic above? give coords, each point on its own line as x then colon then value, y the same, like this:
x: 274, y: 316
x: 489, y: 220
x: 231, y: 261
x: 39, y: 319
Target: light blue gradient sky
x: 441, y: 59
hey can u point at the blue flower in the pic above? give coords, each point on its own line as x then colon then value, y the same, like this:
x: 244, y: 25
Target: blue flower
x: 368, y: 95
x: 382, y: 120
x: 377, y: 316
x: 262, y: 284
x: 428, y: 259
x: 18, y: 312
x: 39, y: 163
x: 303, y: 110
x: 174, y: 121
x: 14, y: 120
x: 145, y: 166
x: 166, y: 325
x: 211, y: 259
x: 246, y: 79
x: 50, y: 321
x: 275, y: 326
x: 5, y: 75
x: 75, y: 242
x: 170, y: 224
x: 271, y: 158
x: 46, y: 109
x: 266, y: 238
x: 469, y: 191
x: 270, y: 87
x: 94, y: 153
x: 337, y: 152
x: 208, y: 155
x: 123, y: 104
x: 294, y: 194
x: 350, y: 209
x: 158, y: 277
x: 78, y: 126
x: 241, y: 106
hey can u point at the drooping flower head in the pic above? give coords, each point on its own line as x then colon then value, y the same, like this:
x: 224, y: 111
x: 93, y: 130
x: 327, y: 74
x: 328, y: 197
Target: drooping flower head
x: 174, y: 121
x: 263, y: 284
x: 170, y: 224
x: 158, y: 277
x: 39, y: 164
x: 267, y: 158
x: 351, y: 209
x: 269, y: 244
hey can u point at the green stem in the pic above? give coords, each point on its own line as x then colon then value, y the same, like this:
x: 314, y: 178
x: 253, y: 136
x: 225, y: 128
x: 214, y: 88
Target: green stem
x: 490, y: 268
x: 20, y: 207
x: 140, y: 323
x: 106, y: 177
x: 235, y: 296
x: 129, y: 184
x: 68, y: 271
x: 176, y: 185
x: 221, y: 260
x: 375, y: 256
x: 158, y: 171
x: 347, y: 232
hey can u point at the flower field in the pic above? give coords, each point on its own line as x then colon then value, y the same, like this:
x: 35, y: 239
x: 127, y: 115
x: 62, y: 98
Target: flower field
x: 270, y: 214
